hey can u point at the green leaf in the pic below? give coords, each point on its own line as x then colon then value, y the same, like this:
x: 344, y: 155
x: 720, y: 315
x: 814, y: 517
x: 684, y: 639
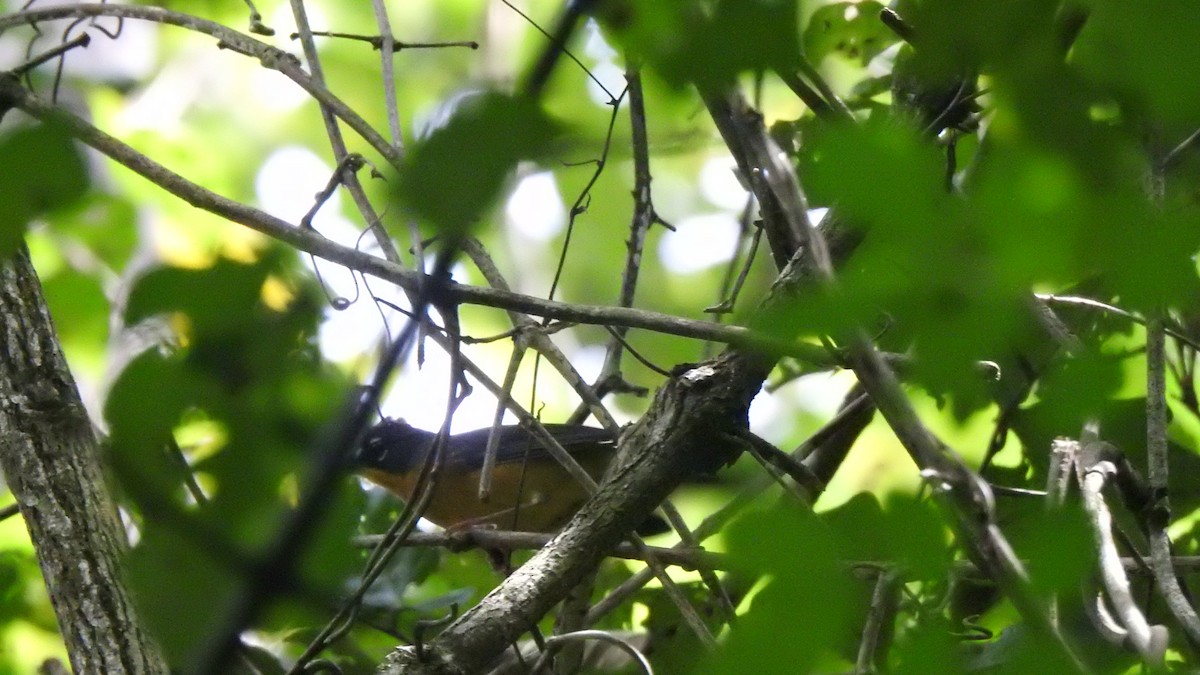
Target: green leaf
x: 183, y: 588
x: 928, y: 648
x: 453, y: 176
x: 79, y: 307
x: 43, y: 172
x: 214, y: 298
x: 880, y: 174
x: 686, y: 45
x: 852, y: 30
x: 751, y: 35
x: 807, y: 580
x: 952, y: 37
x: 105, y: 223
x: 247, y: 371
x: 1147, y: 54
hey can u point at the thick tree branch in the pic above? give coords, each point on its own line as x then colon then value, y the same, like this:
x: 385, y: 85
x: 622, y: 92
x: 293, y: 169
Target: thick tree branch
x: 673, y: 440
x: 742, y: 129
x: 51, y: 458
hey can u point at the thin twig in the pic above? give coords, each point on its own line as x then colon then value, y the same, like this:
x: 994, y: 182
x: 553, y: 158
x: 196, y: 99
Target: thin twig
x: 826, y: 91
x: 316, y: 244
x: 637, y: 355
x: 779, y: 464
x: 602, y: 636
x: 1174, y: 155
x: 337, y: 142
x: 884, y: 600
x: 271, y: 57
x: 538, y: 337
x: 581, y: 202
x: 558, y: 45
x: 1059, y: 476
x: 1159, y: 515
x: 1080, y: 301
x: 732, y: 287
x: 493, y: 440
x: 643, y: 216
x: 387, y: 46
x: 9, y: 511
x: 387, y: 43
x: 83, y: 40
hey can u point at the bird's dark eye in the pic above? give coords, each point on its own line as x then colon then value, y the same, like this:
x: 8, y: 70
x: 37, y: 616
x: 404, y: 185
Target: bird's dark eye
x: 372, y: 446
x: 375, y: 445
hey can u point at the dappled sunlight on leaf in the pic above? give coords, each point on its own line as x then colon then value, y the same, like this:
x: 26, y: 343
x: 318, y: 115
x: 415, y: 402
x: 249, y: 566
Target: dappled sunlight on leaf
x: 44, y: 172
x: 248, y: 370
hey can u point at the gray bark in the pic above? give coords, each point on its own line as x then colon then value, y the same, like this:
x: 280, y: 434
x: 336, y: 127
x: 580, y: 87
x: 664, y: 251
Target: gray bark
x: 51, y: 458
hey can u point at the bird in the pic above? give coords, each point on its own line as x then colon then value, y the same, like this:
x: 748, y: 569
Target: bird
x: 530, y: 492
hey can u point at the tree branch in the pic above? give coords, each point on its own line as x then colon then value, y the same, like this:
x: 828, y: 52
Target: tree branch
x: 271, y: 57
x: 312, y: 242
x: 51, y: 458
x: 673, y: 440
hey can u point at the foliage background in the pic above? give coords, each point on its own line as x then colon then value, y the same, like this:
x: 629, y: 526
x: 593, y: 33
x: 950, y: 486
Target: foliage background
x: 1057, y: 204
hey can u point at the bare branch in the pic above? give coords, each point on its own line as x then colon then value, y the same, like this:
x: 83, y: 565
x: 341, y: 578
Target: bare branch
x: 316, y: 244
x: 271, y: 57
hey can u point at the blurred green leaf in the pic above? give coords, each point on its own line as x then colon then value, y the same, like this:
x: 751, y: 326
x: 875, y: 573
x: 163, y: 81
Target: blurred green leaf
x: 676, y: 649
x: 1151, y: 256
x: 79, y: 307
x: 1147, y: 54
x: 925, y: 278
x: 215, y: 299
x: 881, y: 175
x: 457, y: 172
x: 16, y: 572
x: 748, y: 35
x: 105, y: 223
x: 685, y: 43
x: 1056, y: 564
x: 143, y: 406
x: 918, y: 538
x: 248, y: 368
x: 952, y: 37
x: 44, y: 172
x: 804, y: 578
x: 928, y: 647
x: 183, y: 587
x: 852, y: 30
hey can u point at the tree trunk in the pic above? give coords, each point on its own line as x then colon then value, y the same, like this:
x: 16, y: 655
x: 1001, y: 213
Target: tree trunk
x: 50, y: 456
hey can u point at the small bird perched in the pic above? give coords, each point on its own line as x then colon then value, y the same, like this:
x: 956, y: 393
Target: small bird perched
x: 531, y: 491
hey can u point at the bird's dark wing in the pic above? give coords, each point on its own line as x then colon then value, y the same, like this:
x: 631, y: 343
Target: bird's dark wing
x: 397, y: 447
x: 518, y: 443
